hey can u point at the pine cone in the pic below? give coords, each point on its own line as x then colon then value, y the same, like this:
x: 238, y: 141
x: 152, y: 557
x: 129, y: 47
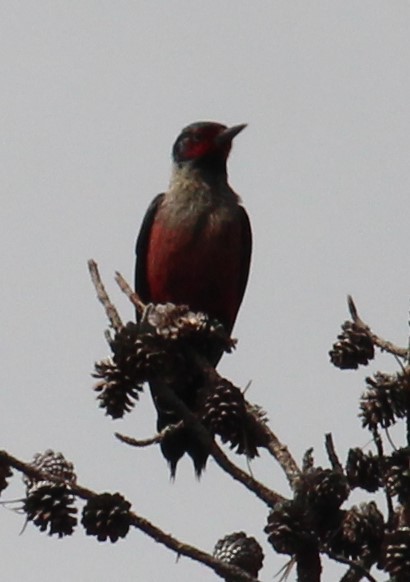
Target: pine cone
x: 384, y: 402
x: 50, y: 506
x: 240, y: 550
x: 324, y: 490
x: 107, y: 516
x: 224, y: 412
x: 179, y: 323
x: 363, y: 470
x: 140, y: 355
x: 360, y: 533
x: 53, y: 463
x: 397, y: 554
x: 137, y: 354
x: 397, y: 474
x: 353, y: 347
x: 117, y: 391
x: 289, y: 528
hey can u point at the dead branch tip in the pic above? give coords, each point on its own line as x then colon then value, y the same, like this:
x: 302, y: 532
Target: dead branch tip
x: 102, y: 295
x: 352, y: 308
x: 132, y: 295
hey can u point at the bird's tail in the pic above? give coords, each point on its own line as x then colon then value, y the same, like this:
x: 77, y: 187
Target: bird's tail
x: 180, y: 439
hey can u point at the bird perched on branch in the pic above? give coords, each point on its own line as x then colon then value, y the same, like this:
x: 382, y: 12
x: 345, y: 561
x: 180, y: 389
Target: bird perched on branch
x: 194, y: 248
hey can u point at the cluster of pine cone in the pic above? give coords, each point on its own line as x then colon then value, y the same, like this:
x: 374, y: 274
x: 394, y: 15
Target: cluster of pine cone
x: 168, y: 341
x: 50, y: 502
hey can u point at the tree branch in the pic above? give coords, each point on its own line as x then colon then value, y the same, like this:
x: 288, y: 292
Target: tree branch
x: 36, y: 475
x: 154, y: 440
x: 222, y: 569
x: 331, y: 453
x: 132, y: 295
x: 277, y: 449
x: 264, y: 493
x: 110, y: 309
x: 357, y: 570
x: 281, y: 453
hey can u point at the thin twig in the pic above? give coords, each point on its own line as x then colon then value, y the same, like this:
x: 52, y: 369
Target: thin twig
x: 384, y: 345
x: 353, y: 310
x: 133, y: 442
x: 220, y: 568
x: 138, y: 442
x: 331, y: 453
x: 389, y: 439
x: 356, y: 572
x: 284, y: 572
x: 282, y: 455
x: 308, y: 460
x: 267, y: 495
x: 110, y: 309
x: 132, y: 295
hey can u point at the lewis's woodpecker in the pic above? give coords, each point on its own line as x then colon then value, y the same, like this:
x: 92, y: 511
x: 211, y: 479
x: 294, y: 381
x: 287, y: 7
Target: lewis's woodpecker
x: 194, y: 248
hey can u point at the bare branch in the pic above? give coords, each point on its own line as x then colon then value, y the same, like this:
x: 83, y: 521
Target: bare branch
x: 133, y: 442
x: 220, y: 568
x: 132, y: 295
x: 353, y: 310
x: 141, y: 443
x: 110, y: 309
x: 281, y: 453
x: 267, y: 495
x: 331, y: 453
x: 37, y: 475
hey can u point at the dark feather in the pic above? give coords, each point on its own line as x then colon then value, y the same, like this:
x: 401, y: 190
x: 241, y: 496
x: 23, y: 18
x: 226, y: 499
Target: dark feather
x: 246, y: 248
x: 141, y: 284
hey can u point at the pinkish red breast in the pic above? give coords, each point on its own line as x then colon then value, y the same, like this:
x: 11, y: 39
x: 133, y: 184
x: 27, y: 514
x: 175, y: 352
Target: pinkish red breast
x: 197, y: 265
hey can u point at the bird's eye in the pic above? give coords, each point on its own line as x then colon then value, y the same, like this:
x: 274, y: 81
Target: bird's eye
x: 183, y: 143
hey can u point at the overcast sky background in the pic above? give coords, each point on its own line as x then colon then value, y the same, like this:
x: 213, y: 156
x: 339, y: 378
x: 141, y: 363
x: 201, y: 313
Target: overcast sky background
x: 93, y: 94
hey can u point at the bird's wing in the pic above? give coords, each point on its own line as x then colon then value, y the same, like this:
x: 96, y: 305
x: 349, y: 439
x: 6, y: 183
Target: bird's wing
x: 246, y: 246
x: 141, y: 249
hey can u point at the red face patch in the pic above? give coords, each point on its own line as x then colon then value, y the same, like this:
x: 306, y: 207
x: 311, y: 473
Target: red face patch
x: 198, y: 140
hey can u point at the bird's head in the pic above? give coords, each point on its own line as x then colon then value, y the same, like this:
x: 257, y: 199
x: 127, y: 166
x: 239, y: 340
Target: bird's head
x: 205, y: 143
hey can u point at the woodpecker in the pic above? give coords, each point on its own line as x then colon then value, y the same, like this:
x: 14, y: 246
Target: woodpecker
x: 194, y: 248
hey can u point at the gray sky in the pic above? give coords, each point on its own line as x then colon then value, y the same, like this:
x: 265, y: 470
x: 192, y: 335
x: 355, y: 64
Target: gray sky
x: 93, y: 95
